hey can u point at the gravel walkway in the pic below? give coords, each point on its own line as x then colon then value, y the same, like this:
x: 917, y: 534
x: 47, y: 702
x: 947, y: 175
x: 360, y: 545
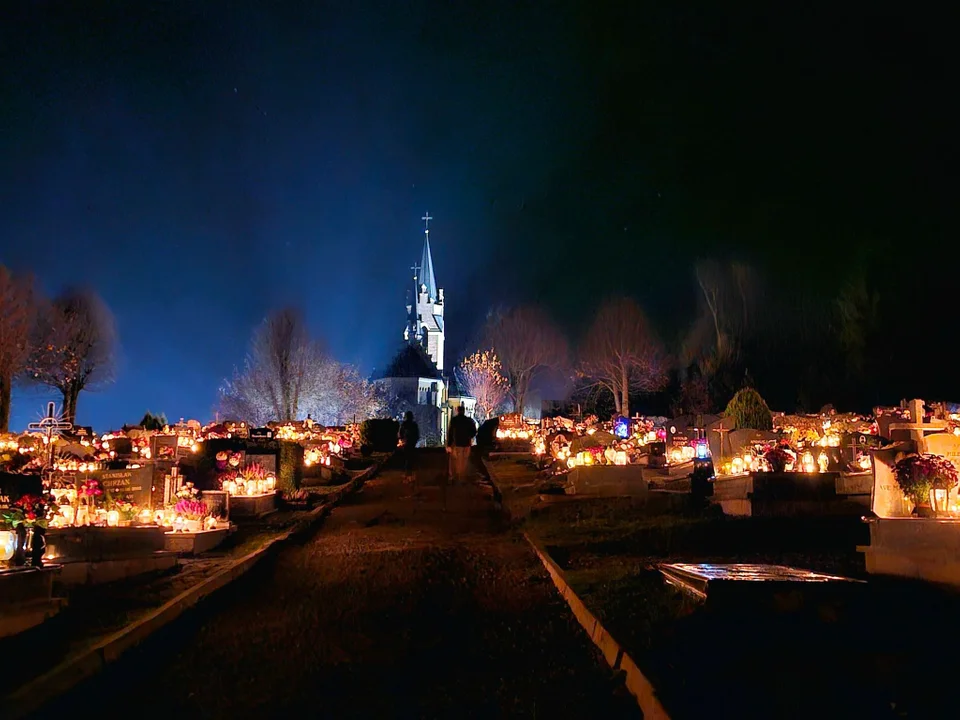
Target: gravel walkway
x: 394, y: 609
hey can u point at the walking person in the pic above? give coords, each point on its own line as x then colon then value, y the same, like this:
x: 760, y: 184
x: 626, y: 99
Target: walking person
x: 459, y: 439
x: 409, y: 436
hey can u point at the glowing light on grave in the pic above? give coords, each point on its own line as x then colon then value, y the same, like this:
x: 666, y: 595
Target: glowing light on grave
x: 113, y: 518
x: 8, y: 544
x: 823, y: 461
x: 808, y: 463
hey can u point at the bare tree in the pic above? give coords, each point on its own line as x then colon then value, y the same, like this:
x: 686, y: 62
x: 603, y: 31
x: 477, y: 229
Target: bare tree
x: 283, y: 371
x: 17, y: 316
x: 481, y: 376
x: 526, y: 341
x: 344, y: 394
x: 728, y: 296
x: 75, y: 346
x: 622, y: 353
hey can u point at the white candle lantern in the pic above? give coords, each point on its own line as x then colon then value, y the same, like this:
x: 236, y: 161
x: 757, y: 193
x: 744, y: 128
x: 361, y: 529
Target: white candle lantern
x: 113, y: 518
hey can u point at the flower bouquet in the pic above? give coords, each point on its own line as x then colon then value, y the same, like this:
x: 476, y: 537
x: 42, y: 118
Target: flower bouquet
x: 193, y: 512
x: 778, y: 458
x: 188, y: 492
x: 919, y: 476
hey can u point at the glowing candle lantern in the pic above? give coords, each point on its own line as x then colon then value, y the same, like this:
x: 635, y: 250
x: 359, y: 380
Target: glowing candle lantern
x: 737, y: 465
x: 571, y: 462
x: 610, y: 455
x: 270, y: 483
x: 68, y: 514
x: 230, y: 487
x: 620, y: 458
x: 748, y: 460
x: 808, y: 464
x: 864, y: 461
x: 8, y: 544
x: 113, y: 518
x: 823, y: 461
x: 145, y: 516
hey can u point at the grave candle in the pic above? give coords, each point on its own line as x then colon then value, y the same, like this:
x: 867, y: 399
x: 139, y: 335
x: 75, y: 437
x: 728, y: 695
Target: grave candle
x: 113, y: 518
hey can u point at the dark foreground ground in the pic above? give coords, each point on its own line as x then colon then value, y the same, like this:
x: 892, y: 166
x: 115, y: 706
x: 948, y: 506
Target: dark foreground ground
x: 394, y: 609
x: 875, y: 649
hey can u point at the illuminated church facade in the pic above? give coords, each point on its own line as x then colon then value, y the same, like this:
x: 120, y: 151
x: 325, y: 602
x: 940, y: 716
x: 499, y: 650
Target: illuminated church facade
x: 416, y: 378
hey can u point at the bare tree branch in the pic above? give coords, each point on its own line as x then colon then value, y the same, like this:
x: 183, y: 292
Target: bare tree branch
x: 526, y: 341
x: 621, y: 353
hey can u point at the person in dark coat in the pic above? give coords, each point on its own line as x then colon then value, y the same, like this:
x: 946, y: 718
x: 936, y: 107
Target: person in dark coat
x: 459, y: 439
x: 409, y: 436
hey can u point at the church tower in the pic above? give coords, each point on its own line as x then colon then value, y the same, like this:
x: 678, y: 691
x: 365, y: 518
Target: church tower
x: 425, y: 305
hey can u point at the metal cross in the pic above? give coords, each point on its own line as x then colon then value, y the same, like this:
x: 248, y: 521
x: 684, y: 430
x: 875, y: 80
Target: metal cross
x: 426, y: 219
x: 416, y: 271
x: 50, y: 426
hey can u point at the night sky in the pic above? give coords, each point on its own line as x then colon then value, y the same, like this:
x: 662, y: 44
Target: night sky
x: 201, y: 163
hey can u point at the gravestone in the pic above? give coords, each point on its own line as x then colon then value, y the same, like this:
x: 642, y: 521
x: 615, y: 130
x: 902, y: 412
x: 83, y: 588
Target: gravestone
x: 747, y: 438
x: 888, y: 500
x: 132, y: 484
x: 946, y: 444
x: 608, y: 481
x: 268, y: 461
x: 14, y: 486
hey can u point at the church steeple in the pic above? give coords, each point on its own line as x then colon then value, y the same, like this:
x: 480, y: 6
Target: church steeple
x: 425, y: 309
x: 426, y: 276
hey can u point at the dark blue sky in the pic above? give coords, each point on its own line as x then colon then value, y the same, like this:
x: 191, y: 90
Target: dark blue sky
x: 201, y: 163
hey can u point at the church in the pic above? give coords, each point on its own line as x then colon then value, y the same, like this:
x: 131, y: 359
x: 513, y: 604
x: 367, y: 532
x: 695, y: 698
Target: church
x: 416, y: 378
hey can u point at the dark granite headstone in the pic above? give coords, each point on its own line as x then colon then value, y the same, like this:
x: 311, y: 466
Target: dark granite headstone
x: 132, y: 484
x: 14, y: 486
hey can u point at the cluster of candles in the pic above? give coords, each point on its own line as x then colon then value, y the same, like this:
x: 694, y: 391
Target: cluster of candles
x: 317, y: 456
x: 513, y: 434
x: 678, y: 455
x: 244, y: 487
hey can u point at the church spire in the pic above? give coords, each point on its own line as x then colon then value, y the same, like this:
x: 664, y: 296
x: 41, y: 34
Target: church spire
x: 426, y: 276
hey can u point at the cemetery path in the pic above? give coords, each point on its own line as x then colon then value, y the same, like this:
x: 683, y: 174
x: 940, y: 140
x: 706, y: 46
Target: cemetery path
x: 394, y: 608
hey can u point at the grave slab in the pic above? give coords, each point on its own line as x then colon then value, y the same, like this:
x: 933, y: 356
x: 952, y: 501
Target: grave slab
x: 608, y: 481
x: 252, y: 506
x: 26, y: 598
x: 188, y: 543
x: 744, y: 588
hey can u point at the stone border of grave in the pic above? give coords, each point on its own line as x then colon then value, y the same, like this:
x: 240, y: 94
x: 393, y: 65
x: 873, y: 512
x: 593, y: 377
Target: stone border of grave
x: 616, y: 657
x: 31, y: 697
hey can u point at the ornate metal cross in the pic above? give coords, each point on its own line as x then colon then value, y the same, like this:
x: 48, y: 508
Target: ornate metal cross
x: 51, y: 426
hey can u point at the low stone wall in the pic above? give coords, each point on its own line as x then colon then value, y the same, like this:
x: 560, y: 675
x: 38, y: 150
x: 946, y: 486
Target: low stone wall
x: 97, y: 544
x: 925, y: 549
x: 787, y: 494
x: 188, y: 543
x: 252, y: 506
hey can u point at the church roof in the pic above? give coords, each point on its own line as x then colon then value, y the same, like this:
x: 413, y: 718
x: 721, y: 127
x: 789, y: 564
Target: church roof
x: 426, y: 270
x: 412, y: 361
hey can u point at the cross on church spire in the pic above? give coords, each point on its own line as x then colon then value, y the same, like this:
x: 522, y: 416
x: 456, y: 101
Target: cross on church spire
x: 426, y: 219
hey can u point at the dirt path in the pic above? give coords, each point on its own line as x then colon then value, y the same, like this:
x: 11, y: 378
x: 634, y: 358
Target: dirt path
x: 394, y: 609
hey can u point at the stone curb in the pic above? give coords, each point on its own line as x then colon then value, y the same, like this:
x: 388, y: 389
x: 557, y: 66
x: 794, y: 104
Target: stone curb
x: 617, y: 658
x: 31, y: 697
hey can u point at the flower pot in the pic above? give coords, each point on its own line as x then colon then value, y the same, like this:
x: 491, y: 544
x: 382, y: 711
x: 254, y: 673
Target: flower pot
x: 924, y: 509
